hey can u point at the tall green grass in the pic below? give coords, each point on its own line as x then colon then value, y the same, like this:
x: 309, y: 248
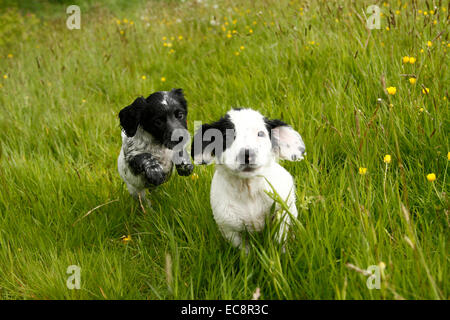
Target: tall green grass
x: 311, y: 63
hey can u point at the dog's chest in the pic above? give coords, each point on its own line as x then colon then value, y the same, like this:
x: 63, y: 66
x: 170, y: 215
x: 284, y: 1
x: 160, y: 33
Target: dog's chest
x: 240, y: 206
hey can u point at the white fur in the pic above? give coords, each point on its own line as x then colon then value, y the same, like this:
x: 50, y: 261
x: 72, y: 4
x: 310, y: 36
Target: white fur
x: 238, y: 198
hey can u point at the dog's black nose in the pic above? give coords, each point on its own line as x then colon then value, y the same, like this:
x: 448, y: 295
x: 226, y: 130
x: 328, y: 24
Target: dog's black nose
x: 247, y: 156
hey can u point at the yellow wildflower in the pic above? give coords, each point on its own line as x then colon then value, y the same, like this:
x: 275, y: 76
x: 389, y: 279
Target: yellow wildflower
x: 126, y: 239
x: 194, y: 176
x: 144, y: 77
x: 412, y: 80
x: 429, y: 43
x: 405, y: 59
x: 412, y: 60
x: 10, y: 55
x: 391, y: 90
x: 163, y: 79
x: 431, y: 177
x: 362, y: 171
x: 426, y: 90
x: 387, y: 158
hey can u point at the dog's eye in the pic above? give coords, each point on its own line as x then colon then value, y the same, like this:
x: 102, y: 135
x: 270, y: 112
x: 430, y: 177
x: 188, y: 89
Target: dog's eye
x: 179, y: 115
x: 261, y: 134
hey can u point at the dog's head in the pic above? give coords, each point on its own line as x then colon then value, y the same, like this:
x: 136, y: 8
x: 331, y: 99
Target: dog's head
x: 246, y: 142
x: 161, y: 114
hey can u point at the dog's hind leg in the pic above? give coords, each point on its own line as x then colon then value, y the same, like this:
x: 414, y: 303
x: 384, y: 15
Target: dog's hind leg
x: 138, y: 194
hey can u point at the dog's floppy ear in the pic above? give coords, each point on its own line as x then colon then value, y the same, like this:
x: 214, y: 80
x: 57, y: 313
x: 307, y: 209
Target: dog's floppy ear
x: 211, y: 140
x: 129, y: 116
x: 285, y: 141
x: 179, y: 96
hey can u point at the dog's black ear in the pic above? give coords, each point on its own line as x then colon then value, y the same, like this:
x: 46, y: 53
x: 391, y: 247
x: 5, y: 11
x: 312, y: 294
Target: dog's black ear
x: 286, y: 142
x: 129, y: 116
x: 178, y: 95
x: 211, y: 140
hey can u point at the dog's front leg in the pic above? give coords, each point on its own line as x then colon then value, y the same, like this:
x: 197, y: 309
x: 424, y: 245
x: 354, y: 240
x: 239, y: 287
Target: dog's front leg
x: 184, y: 165
x: 149, y: 166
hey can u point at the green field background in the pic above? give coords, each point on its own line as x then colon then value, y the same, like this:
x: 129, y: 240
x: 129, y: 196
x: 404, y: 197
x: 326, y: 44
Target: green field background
x: 313, y: 64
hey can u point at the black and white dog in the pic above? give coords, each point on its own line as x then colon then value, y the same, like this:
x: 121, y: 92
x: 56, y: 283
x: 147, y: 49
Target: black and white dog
x: 245, y: 146
x: 154, y: 133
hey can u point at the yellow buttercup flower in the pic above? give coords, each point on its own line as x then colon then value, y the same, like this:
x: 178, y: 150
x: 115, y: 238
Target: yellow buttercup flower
x: 391, y: 90
x: 5, y: 76
x: 412, y: 60
x: 194, y: 176
x: 387, y: 28
x: 144, y: 77
x: 164, y: 38
x: 426, y: 90
x: 405, y: 59
x: 431, y: 177
x: 10, y: 55
x: 126, y: 239
x: 412, y: 80
x: 229, y: 35
x: 387, y: 158
x: 429, y: 43
x: 236, y: 53
x: 448, y: 156
x: 163, y: 79
x: 362, y: 171
x: 242, y: 48
x: 180, y: 37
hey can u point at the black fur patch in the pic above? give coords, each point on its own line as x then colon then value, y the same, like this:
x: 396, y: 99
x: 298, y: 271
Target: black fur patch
x: 272, y: 124
x: 159, y: 114
x: 130, y: 116
x: 224, y: 125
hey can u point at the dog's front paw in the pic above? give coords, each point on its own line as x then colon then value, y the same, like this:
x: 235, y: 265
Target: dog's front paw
x: 185, y: 169
x: 154, y: 173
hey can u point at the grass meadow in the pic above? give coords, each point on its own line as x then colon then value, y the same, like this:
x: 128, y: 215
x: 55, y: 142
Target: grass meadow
x: 354, y: 94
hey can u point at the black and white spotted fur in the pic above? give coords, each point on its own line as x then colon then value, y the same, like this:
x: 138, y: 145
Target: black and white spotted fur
x: 154, y: 133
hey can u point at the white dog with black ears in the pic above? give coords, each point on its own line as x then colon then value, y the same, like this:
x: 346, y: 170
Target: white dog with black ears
x: 246, y: 146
